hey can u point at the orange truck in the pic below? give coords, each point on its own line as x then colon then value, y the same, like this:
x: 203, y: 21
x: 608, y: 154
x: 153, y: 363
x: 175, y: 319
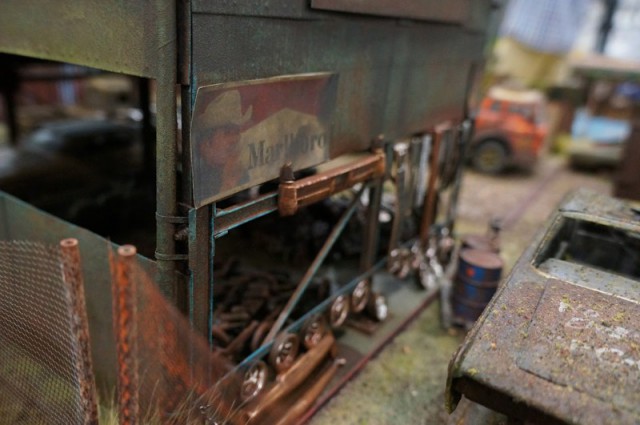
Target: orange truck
x: 509, y: 131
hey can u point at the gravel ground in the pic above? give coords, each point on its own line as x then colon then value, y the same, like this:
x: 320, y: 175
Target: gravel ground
x: 405, y: 383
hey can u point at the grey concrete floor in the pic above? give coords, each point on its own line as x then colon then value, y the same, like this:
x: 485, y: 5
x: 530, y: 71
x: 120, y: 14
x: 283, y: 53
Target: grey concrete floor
x: 405, y: 383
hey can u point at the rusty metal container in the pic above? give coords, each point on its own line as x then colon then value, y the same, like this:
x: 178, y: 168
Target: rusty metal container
x: 479, y: 272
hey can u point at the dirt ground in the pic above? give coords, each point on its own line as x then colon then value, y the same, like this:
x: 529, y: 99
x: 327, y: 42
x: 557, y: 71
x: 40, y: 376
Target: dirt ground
x: 405, y: 383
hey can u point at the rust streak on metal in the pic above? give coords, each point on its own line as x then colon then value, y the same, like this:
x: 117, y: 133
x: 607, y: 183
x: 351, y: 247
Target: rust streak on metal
x: 72, y: 276
x: 124, y: 313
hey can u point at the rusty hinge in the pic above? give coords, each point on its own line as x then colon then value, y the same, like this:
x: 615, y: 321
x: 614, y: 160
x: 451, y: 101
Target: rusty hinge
x: 294, y: 194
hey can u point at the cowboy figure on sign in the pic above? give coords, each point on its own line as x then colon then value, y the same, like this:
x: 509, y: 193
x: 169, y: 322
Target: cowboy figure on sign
x: 219, y: 148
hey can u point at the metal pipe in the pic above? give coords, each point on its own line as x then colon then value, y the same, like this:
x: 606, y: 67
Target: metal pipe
x: 124, y: 315
x: 72, y: 276
x: 372, y: 231
x: 464, y: 135
x: 313, y: 268
x: 166, y: 145
x: 429, y: 207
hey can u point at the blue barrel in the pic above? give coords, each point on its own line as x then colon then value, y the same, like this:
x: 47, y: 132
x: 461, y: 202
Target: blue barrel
x: 479, y: 272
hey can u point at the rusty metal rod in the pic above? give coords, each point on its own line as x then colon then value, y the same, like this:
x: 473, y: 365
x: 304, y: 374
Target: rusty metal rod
x: 322, y: 306
x: 288, y: 381
x: 229, y: 218
x: 313, y: 268
x: 463, y: 139
x: 304, y: 403
x: 72, y: 276
x: 429, y: 208
x: 125, y: 323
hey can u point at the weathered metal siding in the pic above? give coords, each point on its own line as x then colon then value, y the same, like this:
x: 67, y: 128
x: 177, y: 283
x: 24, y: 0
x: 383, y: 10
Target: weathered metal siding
x: 119, y: 36
x: 395, y: 77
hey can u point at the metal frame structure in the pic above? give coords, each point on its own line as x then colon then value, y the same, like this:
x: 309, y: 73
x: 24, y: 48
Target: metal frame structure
x: 403, y: 69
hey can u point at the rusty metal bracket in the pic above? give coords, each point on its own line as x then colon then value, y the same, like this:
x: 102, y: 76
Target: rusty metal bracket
x: 171, y: 219
x: 306, y: 191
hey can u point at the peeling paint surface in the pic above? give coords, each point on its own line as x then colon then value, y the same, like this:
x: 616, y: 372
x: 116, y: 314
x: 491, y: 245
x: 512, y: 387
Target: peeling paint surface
x: 589, y: 346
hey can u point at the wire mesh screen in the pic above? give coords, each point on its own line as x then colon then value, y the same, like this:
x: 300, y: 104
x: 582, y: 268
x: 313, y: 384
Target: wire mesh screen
x: 43, y: 379
x: 166, y: 371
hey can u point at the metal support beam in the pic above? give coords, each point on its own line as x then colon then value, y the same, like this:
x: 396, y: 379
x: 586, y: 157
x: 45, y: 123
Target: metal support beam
x: 237, y: 215
x: 372, y: 231
x: 201, y: 277
x: 166, y: 147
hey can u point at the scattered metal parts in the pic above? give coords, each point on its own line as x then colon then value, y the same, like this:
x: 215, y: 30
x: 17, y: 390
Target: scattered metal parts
x: 313, y: 331
x: 260, y: 333
x: 235, y: 316
x: 284, y: 351
x: 339, y: 311
x: 220, y: 335
x: 258, y: 409
x: 378, y: 307
x: 430, y: 272
x: 293, y: 414
x: 315, y: 265
x: 254, y: 380
x: 241, y: 340
x: 360, y: 296
x: 400, y: 177
x: 400, y: 262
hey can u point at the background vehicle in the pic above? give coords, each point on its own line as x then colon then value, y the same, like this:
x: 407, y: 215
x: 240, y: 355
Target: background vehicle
x: 74, y: 168
x: 510, y: 130
x: 597, y: 140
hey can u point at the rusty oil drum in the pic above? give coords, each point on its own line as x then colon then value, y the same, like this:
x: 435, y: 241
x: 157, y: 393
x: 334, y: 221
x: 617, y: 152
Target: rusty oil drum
x: 479, y: 273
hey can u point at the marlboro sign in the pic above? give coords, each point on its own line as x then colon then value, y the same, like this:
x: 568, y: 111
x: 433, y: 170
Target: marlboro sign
x: 243, y: 133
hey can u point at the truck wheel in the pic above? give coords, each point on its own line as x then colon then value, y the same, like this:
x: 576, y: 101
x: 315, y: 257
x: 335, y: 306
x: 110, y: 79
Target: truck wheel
x: 490, y: 157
